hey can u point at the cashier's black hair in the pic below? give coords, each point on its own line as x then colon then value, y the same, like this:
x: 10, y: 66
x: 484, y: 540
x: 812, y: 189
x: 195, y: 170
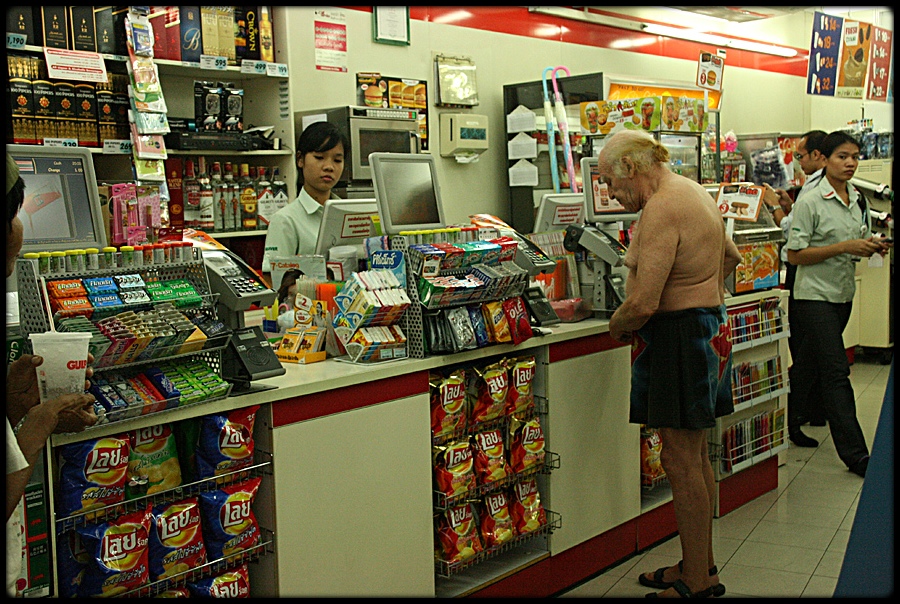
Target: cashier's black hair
x: 835, y: 140
x: 814, y: 140
x: 319, y: 136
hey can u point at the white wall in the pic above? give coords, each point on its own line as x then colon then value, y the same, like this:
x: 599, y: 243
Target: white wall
x: 753, y: 101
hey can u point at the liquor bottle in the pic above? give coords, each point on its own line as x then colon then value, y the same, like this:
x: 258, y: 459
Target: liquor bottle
x: 266, y: 48
x: 279, y: 190
x: 219, y: 200
x: 265, y: 201
x: 232, y: 214
x: 247, y: 188
x: 207, y: 221
x: 191, y: 187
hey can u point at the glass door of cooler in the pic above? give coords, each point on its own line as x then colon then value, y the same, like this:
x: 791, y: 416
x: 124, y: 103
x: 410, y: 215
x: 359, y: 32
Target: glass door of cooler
x: 684, y: 152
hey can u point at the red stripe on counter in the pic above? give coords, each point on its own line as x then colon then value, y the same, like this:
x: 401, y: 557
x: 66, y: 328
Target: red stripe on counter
x: 517, y: 21
x: 320, y: 404
x: 583, y: 346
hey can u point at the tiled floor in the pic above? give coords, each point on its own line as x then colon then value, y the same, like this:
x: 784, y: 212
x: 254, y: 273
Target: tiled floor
x: 789, y: 542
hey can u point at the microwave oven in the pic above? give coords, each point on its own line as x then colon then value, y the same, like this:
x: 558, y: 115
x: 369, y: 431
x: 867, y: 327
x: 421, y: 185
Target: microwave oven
x: 369, y: 129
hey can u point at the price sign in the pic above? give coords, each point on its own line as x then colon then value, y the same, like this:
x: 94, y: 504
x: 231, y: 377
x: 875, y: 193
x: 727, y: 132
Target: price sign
x: 257, y: 67
x: 821, y: 75
x: 117, y: 146
x: 60, y: 142
x: 213, y: 62
x: 879, y: 65
x: 278, y: 70
x: 15, y: 41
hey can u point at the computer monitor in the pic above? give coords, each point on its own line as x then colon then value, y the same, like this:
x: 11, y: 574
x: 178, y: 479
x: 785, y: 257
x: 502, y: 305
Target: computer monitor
x: 62, y: 207
x: 598, y: 205
x: 556, y: 211
x: 407, y: 192
x: 345, y: 222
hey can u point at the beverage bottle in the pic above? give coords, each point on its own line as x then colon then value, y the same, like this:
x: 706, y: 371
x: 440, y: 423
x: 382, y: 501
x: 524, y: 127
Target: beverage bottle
x: 218, y: 189
x: 206, y: 221
x: 232, y: 197
x: 191, y: 190
x: 279, y: 190
x: 247, y: 187
x: 266, y: 48
x: 265, y: 200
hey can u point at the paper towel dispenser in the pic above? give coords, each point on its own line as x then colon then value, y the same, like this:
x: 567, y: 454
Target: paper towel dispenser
x: 463, y: 135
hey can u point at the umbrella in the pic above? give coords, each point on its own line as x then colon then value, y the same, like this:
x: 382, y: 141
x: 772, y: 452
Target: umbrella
x: 563, y: 124
x: 551, y: 137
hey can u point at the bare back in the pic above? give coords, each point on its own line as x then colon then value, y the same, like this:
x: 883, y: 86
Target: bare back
x: 677, y: 254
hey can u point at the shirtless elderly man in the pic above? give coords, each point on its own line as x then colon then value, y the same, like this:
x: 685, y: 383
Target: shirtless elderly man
x: 674, y: 316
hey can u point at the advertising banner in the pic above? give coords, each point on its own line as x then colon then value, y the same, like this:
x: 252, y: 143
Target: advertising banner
x: 879, y: 65
x: 853, y: 66
x: 825, y: 44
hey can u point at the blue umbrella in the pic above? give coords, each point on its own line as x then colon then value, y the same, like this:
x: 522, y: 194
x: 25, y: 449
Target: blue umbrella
x: 563, y: 124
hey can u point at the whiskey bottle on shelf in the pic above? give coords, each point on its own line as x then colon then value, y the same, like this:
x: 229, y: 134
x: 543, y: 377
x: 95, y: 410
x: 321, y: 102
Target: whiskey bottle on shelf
x: 247, y: 187
x: 207, y: 221
x: 265, y: 200
x: 231, y: 196
x: 218, y: 189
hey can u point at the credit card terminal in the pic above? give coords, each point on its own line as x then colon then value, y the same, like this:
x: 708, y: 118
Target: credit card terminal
x: 529, y: 256
x: 539, y: 307
x: 236, y: 283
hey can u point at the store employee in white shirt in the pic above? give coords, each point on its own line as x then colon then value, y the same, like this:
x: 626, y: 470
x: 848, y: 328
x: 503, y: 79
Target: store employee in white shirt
x: 294, y: 229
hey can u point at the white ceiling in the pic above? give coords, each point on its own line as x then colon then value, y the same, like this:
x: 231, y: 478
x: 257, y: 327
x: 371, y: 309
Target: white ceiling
x: 742, y: 14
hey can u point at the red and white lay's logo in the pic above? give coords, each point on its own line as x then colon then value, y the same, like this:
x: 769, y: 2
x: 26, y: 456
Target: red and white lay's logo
x: 532, y: 437
x: 495, y: 503
x: 235, y: 441
x: 231, y: 585
x: 458, y: 455
x: 459, y: 515
x: 454, y: 396
x: 178, y: 525
x: 82, y: 364
x: 123, y: 545
x: 152, y: 435
x: 235, y: 514
x: 496, y: 383
x: 522, y: 376
x: 107, y: 462
x: 489, y: 440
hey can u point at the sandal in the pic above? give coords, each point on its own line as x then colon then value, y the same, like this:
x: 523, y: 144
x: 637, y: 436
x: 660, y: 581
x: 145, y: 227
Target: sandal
x: 684, y: 591
x: 657, y: 581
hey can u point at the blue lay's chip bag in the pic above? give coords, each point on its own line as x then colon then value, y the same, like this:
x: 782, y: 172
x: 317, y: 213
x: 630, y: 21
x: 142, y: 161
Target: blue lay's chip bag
x: 92, y: 474
x: 234, y: 583
x: 229, y: 524
x: 71, y: 562
x: 118, y: 549
x: 226, y: 442
x: 176, y: 541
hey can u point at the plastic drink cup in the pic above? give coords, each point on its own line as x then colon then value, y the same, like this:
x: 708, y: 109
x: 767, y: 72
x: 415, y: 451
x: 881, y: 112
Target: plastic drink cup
x: 65, y: 361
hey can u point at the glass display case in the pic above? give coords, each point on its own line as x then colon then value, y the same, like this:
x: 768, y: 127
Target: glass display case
x: 684, y: 152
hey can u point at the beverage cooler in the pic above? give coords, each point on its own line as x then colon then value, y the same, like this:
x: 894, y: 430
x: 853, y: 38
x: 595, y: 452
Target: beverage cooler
x: 684, y: 152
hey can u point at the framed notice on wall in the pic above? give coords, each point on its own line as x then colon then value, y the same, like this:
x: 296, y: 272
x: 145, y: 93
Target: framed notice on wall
x: 390, y: 24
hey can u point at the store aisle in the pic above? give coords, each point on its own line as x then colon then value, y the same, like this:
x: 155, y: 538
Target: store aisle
x: 789, y: 542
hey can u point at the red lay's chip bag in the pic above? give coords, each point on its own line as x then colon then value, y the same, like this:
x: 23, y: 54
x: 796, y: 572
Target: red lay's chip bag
x: 490, y: 456
x: 495, y: 321
x: 229, y: 524
x: 225, y: 443
x: 517, y: 319
x: 92, y: 474
x: 234, y: 583
x: 520, y: 397
x: 448, y: 398
x: 486, y: 389
x: 526, y: 449
x: 454, y: 468
x: 525, y: 507
x: 496, y: 523
x: 176, y: 541
x: 118, y: 552
x: 457, y: 535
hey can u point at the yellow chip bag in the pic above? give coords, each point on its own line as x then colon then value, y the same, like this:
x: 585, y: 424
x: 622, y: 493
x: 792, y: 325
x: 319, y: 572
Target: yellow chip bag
x: 495, y: 320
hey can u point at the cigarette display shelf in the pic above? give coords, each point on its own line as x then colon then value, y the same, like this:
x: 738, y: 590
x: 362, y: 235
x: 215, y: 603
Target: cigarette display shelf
x: 413, y: 323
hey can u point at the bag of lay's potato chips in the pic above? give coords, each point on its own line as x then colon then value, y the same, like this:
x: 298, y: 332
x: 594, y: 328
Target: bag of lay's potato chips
x: 229, y: 524
x: 496, y: 524
x: 118, y: 551
x: 457, y: 535
x: 152, y: 462
x: 71, y: 563
x: 486, y: 390
x: 226, y: 442
x: 176, y: 541
x: 234, y: 583
x: 92, y: 474
x: 453, y: 468
x: 448, y: 398
x: 525, y: 507
x: 174, y: 592
x: 526, y: 449
x: 520, y: 396
x: 490, y: 456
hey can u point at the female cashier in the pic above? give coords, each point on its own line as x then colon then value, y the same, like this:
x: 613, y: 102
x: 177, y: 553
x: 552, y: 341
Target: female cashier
x: 294, y: 229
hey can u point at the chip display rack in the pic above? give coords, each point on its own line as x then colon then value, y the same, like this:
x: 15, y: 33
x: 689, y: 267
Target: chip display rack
x: 413, y: 323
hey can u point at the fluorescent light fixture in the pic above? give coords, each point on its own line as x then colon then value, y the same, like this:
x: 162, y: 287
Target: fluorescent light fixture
x: 664, y: 30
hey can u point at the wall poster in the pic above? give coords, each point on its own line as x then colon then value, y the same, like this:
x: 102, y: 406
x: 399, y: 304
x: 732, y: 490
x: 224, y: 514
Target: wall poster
x: 821, y: 75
